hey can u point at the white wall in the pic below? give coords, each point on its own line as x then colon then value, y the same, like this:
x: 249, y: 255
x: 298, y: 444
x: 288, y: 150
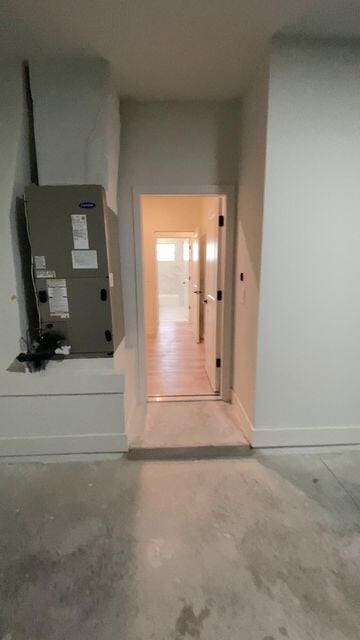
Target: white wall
x: 170, y: 144
x: 14, y: 175
x: 77, y: 123
x: 308, y: 374
x: 77, y: 139
x: 248, y: 246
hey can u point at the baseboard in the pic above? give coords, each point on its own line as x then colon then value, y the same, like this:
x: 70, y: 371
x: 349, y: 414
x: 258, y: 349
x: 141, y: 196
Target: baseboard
x: 66, y: 444
x: 62, y: 424
x: 306, y: 437
x: 297, y: 437
x: 246, y: 425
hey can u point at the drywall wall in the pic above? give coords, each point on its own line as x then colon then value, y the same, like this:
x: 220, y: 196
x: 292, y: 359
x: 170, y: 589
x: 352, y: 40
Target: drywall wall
x: 77, y: 123
x: 169, y: 144
x: 163, y: 214
x: 14, y: 176
x: 308, y: 374
x: 77, y: 140
x: 248, y: 245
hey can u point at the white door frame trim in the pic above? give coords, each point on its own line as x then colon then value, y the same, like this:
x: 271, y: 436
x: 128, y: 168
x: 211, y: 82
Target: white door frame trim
x: 227, y: 273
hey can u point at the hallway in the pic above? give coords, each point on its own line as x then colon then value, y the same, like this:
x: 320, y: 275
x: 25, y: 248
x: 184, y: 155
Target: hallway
x: 176, y: 364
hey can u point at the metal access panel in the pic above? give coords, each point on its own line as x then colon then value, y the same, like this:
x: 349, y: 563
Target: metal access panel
x: 79, y: 309
x: 76, y: 266
x: 67, y: 230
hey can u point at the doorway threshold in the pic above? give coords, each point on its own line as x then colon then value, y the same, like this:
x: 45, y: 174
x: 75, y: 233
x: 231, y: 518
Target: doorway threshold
x: 189, y: 429
x: 201, y: 452
x: 192, y: 398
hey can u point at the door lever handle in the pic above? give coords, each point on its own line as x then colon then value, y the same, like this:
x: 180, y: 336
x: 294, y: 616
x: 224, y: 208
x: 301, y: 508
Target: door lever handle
x: 197, y: 292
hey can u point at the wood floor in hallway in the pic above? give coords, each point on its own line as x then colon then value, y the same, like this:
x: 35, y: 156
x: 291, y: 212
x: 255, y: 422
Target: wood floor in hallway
x: 176, y: 364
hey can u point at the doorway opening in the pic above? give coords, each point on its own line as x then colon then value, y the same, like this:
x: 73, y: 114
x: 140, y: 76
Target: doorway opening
x: 173, y: 277
x: 179, y: 349
x: 183, y: 252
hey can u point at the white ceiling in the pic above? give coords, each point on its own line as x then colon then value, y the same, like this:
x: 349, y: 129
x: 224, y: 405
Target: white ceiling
x: 170, y: 49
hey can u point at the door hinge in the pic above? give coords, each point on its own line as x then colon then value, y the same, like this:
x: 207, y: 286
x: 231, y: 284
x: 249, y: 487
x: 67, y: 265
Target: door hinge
x: 221, y: 221
x: 219, y: 295
x: 218, y: 362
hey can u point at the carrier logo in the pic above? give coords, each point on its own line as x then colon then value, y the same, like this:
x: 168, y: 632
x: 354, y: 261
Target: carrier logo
x: 86, y: 204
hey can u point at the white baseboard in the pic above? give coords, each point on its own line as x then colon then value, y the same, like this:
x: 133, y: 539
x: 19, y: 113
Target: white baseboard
x: 31, y: 425
x: 65, y: 444
x: 306, y: 437
x: 297, y: 437
x: 245, y: 422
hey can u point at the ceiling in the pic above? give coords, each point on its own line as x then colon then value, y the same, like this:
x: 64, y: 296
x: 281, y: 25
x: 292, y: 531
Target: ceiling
x: 170, y: 49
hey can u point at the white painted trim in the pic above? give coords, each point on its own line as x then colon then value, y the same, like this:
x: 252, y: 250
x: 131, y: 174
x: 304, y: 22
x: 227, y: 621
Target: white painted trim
x: 62, y: 424
x: 228, y: 274
x: 308, y: 450
x: 308, y: 436
x: 298, y: 437
x: 139, y: 298
x: 246, y: 425
x: 45, y: 445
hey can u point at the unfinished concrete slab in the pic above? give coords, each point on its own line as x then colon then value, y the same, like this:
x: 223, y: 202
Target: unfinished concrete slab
x: 199, y: 423
x: 257, y: 549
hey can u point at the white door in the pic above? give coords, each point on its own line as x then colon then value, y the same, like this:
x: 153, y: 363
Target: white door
x: 211, y: 303
x: 195, y: 292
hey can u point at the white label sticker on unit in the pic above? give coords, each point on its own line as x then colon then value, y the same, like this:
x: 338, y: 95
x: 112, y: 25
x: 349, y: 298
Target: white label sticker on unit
x: 40, y: 262
x: 84, y: 259
x: 80, y: 231
x: 58, y: 298
x: 45, y: 273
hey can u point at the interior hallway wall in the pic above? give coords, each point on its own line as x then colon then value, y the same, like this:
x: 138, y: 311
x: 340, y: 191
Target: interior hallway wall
x: 77, y: 122
x: 308, y: 374
x: 77, y: 138
x: 248, y: 249
x: 170, y: 144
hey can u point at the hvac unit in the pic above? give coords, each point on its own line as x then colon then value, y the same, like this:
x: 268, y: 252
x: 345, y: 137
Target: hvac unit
x: 76, y: 267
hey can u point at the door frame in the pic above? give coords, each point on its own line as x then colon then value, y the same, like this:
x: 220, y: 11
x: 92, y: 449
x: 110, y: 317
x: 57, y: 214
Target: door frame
x: 226, y: 277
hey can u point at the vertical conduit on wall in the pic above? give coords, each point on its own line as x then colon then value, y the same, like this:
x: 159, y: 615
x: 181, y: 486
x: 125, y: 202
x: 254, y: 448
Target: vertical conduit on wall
x: 30, y: 112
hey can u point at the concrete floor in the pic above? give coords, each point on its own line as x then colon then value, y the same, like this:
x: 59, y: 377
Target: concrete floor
x: 261, y: 548
x: 191, y: 424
